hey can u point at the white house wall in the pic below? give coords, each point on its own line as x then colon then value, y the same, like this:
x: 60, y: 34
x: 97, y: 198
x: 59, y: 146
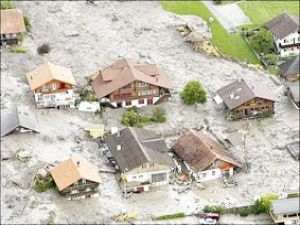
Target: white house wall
x: 134, y: 102
x: 147, y: 177
x: 55, y: 99
x: 289, y: 40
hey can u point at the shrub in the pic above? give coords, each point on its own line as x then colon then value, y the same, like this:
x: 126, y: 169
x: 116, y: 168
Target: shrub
x: 193, y: 92
x: 27, y: 23
x: 86, y: 95
x: 170, y: 216
x: 159, y: 115
x: 132, y: 118
x: 262, y: 41
x: 43, y: 49
x: 16, y: 49
x: 7, y: 5
x: 266, y: 201
x: 100, y: 112
x: 214, y: 209
x: 42, y: 186
x: 218, y: 2
x: 245, y: 211
x: 21, y: 38
x: 271, y: 59
x: 258, y: 207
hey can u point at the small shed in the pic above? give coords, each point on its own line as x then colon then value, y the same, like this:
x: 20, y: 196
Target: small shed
x: 95, y: 130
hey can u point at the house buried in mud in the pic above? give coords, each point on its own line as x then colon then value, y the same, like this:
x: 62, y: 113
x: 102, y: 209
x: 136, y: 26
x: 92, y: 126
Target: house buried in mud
x: 142, y: 157
x: 52, y: 85
x: 76, y: 179
x: 127, y: 83
x: 203, y: 157
x: 12, y: 26
x: 246, y: 99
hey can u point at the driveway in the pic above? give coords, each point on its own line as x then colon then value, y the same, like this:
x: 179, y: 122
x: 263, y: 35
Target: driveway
x: 230, y: 16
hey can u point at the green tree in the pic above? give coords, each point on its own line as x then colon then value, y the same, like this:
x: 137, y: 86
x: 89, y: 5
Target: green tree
x: 193, y: 92
x: 262, y: 41
x: 266, y: 201
x: 159, y: 115
x: 271, y: 59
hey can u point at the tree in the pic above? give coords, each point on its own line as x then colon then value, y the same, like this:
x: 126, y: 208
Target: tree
x: 6, y: 5
x: 193, y: 92
x: 43, y: 49
x: 159, y: 115
x: 27, y: 23
x: 266, y: 201
x: 262, y: 41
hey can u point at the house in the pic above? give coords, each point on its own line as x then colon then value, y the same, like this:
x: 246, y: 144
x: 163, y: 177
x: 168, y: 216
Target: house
x: 52, y: 86
x: 76, y: 179
x: 293, y: 93
x: 127, y: 83
x: 246, y: 99
x: 286, y: 34
x: 285, y: 211
x: 12, y: 26
x: 142, y: 158
x: 290, y: 69
x: 203, y: 157
x: 20, y: 119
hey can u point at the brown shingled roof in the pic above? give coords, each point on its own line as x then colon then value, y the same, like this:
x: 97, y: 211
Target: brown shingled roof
x: 138, y: 146
x: 242, y: 91
x: 68, y: 172
x: 12, y: 21
x: 200, y: 151
x: 125, y: 71
x: 283, y: 25
x: 48, y: 72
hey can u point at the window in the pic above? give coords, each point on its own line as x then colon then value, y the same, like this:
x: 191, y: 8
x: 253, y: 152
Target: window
x: 203, y: 175
x: 213, y: 172
x: 284, y: 40
x: 45, y: 87
x: 142, y: 84
x: 53, y: 87
x: 141, y: 101
x: 159, y: 177
x: 128, y: 103
x: 127, y: 86
x: 40, y: 97
x: 140, y: 176
x: 147, y: 92
x: 52, y: 97
x: 84, y: 181
x: 133, y: 177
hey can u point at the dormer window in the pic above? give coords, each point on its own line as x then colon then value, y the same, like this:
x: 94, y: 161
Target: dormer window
x: 53, y: 87
x: 45, y: 87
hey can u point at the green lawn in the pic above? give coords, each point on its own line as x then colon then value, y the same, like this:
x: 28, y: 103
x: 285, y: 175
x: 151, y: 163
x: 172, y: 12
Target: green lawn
x: 260, y: 12
x: 232, y: 45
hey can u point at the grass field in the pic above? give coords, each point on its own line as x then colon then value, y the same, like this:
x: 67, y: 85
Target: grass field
x: 260, y: 12
x: 232, y: 45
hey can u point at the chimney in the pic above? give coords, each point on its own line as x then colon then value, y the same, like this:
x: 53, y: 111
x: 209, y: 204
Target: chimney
x: 119, y: 147
x: 156, y: 79
x: 78, y: 163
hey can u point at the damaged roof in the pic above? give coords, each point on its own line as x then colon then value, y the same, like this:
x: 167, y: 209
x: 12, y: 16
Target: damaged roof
x: 45, y: 73
x: 200, y: 151
x: 72, y: 170
x: 283, y: 25
x: 12, y: 22
x: 242, y: 91
x: 13, y: 118
x: 138, y: 146
x: 125, y: 71
x: 290, y: 67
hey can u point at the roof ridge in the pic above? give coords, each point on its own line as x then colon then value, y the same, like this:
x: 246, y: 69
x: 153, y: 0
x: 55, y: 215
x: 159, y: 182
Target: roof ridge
x: 139, y: 143
x: 74, y: 162
x: 250, y: 88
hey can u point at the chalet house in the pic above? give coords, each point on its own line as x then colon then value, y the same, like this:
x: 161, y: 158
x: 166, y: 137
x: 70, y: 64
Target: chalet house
x: 76, y: 179
x: 290, y: 69
x: 246, y: 99
x: 20, y: 119
x: 285, y: 211
x: 142, y: 158
x: 12, y: 26
x: 286, y: 34
x: 203, y: 157
x: 293, y: 93
x: 127, y: 83
x: 52, y: 86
